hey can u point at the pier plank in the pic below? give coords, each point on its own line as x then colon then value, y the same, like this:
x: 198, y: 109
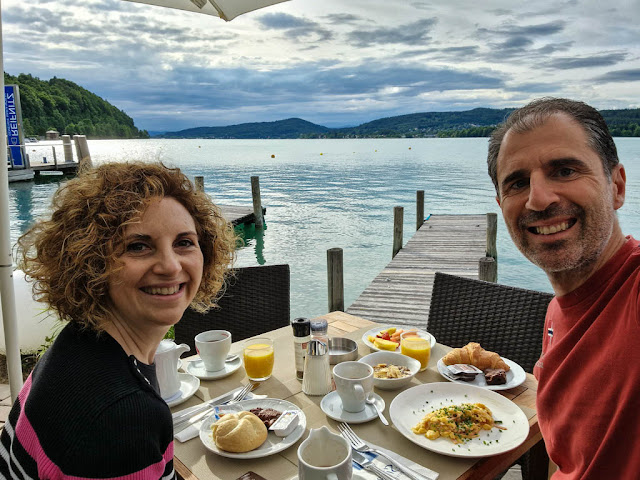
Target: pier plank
x: 238, y: 214
x: 401, y: 293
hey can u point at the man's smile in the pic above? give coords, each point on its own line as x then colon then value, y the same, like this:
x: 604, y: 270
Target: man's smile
x: 554, y: 228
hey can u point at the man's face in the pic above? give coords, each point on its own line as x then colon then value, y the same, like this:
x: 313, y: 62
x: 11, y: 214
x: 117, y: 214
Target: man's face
x: 557, y: 202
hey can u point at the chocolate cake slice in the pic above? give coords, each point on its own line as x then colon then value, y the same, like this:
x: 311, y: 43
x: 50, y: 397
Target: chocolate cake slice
x: 495, y: 376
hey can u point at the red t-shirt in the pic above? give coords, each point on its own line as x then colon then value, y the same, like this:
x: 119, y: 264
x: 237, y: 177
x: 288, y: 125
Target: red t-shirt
x: 589, y: 374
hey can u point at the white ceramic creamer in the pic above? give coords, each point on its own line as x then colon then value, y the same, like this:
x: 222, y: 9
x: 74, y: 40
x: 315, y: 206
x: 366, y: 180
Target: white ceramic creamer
x: 166, y: 360
x: 324, y: 456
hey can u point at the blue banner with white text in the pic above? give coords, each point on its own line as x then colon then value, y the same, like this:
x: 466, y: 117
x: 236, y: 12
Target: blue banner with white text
x: 11, y: 105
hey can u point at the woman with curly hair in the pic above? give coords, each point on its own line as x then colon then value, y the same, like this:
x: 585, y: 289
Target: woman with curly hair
x: 128, y: 247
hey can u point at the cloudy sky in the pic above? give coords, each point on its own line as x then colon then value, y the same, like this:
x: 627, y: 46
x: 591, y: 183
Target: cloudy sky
x: 331, y: 62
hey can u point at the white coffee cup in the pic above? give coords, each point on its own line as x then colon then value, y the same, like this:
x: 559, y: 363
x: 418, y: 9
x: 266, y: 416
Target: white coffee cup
x: 213, y: 347
x: 324, y: 456
x: 354, y: 381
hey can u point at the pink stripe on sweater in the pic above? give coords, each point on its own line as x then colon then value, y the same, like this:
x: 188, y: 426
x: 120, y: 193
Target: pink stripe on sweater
x: 28, y: 438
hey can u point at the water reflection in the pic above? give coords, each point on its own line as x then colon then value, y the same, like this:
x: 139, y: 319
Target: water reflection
x: 23, y: 198
x: 252, y: 235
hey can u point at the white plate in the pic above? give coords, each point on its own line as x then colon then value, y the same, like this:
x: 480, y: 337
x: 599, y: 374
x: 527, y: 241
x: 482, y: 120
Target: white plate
x: 188, y: 387
x: 411, y: 405
x: 515, y: 376
x: 273, y: 444
x: 332, y: 406
x: 377, y: 330
x: 197, y: 368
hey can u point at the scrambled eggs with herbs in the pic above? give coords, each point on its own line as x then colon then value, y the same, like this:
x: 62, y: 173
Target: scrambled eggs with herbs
x: 459, y: 423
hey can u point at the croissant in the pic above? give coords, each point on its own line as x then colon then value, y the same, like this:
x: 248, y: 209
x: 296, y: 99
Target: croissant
x: 473, y: 354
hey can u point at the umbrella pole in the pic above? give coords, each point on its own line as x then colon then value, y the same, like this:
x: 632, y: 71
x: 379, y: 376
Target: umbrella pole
x: 7, y: 291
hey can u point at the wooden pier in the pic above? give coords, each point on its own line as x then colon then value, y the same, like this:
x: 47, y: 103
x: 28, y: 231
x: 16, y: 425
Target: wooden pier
x: 401, y: 293
x: 239, y: 215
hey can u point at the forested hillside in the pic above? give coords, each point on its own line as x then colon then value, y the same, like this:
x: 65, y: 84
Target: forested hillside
x: 479, y: 122
x: 289, y: 128
x: 61, y: 105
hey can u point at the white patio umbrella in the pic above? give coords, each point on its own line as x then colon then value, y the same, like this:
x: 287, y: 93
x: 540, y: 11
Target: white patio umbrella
x: 225, y: 9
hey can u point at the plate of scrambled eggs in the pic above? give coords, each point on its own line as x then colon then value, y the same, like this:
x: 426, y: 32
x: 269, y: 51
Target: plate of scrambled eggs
x: 459, y: 420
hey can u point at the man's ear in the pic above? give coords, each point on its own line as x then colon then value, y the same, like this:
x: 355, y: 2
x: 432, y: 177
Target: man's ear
x: 618, y: 185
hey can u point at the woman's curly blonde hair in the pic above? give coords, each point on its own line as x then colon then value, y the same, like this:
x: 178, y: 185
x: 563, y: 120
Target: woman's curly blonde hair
x: 72, y: 255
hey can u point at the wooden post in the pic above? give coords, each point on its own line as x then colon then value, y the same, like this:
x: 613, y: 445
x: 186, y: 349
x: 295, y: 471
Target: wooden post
x: 82, y: 150
x: 257, y: 203
x: 55, y: 159
x: 335, y: 279
x: 398, y: 219
x: 66, y: 146
x: 199, y: 183
x: 488, y: 269
x: 492, y: 233
x: 419, y: 209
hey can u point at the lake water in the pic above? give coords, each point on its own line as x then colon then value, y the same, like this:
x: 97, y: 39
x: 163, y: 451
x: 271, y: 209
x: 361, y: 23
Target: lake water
x: 321, y: 194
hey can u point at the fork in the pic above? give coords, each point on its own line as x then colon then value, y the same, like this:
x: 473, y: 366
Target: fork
x: 206, y: 408
x: 358, y: 444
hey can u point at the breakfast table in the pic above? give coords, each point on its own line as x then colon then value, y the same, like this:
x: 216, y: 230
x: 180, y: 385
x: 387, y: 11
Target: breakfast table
x: 193, y: 461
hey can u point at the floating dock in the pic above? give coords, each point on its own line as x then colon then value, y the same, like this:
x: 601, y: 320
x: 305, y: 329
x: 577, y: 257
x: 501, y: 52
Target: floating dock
x: 401, y: 293
x: 239, y: 215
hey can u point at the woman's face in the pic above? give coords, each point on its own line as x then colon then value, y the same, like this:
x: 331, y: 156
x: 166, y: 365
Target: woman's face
x: 162, y: 267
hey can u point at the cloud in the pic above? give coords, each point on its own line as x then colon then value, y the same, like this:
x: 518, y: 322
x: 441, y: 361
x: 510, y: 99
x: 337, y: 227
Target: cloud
x: 631, y: 75
x: 343, y: 18
x: 604, y: 60
x: 416, y: 33
x: 539, y: 30
x: 284, y: 21
x: 296, y: 28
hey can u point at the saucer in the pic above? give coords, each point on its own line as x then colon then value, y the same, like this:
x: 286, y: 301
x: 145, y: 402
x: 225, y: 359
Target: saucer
x: 188, y: 387
x: 331, y: 405
x: 356, y: 476
x: 197, y: 368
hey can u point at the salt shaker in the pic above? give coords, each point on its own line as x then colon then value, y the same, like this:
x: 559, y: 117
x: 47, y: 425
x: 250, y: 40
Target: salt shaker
x: 317, y: 372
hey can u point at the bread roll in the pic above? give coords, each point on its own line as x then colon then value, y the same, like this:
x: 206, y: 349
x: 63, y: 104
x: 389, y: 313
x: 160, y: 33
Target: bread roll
x: 239, y: 432
x: 473, y: 354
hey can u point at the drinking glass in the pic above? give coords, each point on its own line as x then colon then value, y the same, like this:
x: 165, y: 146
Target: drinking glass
x: 416, y: 347
x: 258, y: 358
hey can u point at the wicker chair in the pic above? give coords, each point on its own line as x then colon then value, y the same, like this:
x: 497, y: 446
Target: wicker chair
x: 502, y: 319
x: 255, y: 301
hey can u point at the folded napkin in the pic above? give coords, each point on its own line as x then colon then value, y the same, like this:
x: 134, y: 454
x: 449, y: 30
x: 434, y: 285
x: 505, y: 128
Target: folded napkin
x: 193, y: 430
x: 389, y: 469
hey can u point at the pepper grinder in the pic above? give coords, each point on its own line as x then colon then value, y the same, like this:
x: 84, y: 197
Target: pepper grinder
x: 316, y: 379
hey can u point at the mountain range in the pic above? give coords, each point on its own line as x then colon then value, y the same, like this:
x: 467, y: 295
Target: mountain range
x: 478, y: 122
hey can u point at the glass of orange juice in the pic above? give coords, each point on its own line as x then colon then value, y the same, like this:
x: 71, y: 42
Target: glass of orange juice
x: 416, y: 347
x: 258, y: 358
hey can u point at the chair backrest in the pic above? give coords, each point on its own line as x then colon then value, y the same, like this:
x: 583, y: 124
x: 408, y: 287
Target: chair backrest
x: 503, y: 319
x: 255, y: 301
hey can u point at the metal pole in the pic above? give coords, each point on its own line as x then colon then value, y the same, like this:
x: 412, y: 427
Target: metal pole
x: 7, y: 291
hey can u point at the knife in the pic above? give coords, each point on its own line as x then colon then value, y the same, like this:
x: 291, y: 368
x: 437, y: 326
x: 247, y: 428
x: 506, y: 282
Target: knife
x: 366, y: 463
x: 186, y: 413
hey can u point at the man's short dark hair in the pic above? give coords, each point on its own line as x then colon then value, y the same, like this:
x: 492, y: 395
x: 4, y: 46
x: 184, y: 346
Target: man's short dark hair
x: 537, y: 112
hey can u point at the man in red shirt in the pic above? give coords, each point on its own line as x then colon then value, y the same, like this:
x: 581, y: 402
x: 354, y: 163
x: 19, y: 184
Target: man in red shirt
x: 559, y: 183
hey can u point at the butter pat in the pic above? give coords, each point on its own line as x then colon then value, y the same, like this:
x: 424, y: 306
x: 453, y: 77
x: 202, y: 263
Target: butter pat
x: 285, y: 424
